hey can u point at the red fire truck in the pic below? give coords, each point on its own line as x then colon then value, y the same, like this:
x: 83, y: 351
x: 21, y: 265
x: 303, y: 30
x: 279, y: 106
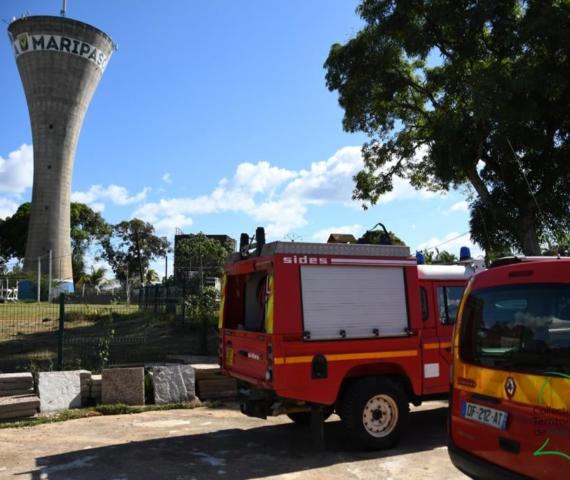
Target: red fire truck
x: 361, y: 330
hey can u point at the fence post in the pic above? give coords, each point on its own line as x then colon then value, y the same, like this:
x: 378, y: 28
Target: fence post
x: 60, y: 332
x: 184, y: 300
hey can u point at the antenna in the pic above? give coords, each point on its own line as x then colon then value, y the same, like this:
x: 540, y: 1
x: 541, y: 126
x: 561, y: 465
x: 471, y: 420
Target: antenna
x: 63, y: 8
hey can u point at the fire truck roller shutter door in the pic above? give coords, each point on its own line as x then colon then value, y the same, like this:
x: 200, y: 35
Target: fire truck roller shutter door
x: 353, y: 302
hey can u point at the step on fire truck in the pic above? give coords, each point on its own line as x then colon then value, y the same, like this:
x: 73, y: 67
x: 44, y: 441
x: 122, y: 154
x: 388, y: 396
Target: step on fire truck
x: 362, y: 330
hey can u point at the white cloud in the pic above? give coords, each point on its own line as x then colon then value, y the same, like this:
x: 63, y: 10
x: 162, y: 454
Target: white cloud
x: 115, y: 193
x: 17, y: 171
x: 280, y: 217
x: 276, y: 197
x: 452, y: 242
x: 322, y: 235
x: 328, y: 180
x: 97, y: 206
x: 166, y: 178
x: 7, y: 207
x: 404, y: 191
x: 461, y: 206
x: 166, y: 226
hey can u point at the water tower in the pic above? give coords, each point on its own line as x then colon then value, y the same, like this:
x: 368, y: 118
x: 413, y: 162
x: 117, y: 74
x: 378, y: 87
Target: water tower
x: 60, y: 61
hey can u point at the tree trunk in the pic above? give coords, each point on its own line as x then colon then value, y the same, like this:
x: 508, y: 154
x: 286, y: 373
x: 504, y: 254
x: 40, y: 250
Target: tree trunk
x: 528, y: 236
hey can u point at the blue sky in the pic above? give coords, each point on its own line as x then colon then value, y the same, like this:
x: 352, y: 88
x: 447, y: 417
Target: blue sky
x: 214, y: 116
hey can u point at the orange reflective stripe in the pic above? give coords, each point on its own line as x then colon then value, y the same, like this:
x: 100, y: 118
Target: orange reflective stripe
x: 337, y: 357
x: 434, y: 346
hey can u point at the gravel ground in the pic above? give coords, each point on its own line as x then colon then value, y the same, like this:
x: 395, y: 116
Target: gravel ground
x: 217, y: 443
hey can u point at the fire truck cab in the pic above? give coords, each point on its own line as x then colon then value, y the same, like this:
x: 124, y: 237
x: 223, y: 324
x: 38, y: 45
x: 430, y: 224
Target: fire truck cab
x: 309, y: 329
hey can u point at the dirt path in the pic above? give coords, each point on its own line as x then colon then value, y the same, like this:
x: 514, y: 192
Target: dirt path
x: 221, y: 443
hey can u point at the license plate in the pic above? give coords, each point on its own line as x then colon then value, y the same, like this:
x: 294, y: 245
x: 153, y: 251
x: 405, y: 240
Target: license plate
x: 229, y: 356
x: 486, y: 415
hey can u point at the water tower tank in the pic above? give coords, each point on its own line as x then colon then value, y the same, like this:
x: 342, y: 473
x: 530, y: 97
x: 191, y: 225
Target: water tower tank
x: 60, y: 61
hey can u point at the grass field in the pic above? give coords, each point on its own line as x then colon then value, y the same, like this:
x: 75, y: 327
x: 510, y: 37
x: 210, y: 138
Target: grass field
x: 24, y: 318
x: 95, y: 334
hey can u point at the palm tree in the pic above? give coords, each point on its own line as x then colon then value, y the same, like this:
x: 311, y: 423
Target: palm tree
x: 97, y: 278
x: 151, y: 276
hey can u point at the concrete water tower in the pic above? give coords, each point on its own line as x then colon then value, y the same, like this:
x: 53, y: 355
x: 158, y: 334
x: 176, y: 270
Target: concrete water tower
x: 60, y: 61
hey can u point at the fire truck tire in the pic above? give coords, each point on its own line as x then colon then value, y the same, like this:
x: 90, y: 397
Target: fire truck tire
x: 304, y: 418
x: 373, y: 412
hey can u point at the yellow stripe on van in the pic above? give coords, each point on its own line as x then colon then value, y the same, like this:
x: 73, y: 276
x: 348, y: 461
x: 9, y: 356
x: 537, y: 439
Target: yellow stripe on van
x: 551, y: 390
x: 337, y: 357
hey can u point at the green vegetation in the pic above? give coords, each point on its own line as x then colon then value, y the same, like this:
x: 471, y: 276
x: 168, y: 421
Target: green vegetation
x: 95, y: 335
x: 130, y: 249
x: 470, y: 95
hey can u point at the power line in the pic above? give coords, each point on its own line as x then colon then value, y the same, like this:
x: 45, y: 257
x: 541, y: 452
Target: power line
x: 447, y: 241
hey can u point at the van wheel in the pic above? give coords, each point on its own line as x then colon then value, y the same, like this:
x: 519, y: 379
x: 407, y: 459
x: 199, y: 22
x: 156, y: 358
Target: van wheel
x: 304, y: 418
x: 373, y: 412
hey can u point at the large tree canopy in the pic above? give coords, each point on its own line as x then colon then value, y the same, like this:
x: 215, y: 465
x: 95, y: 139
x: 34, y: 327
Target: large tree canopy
x: 131, y: 247
x: 465, y: 92
x: 200, y: 253
x: 86, y: 227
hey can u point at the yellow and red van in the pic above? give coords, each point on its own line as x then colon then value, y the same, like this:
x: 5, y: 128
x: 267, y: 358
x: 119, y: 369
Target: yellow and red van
x: 510, y: 398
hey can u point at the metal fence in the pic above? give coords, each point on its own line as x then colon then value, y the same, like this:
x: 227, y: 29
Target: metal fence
x: 94, y: 332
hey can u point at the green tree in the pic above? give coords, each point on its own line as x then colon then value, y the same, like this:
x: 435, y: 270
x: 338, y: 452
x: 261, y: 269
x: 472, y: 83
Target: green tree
x: 465, y: 92
x: 95, y: 279
x: 14, y: 232
x: 374, y: 237
x: 445, y: 257
x: 131, y: 247
x: 87, y: 226
x: 151, y: 276
x: 202, y: 254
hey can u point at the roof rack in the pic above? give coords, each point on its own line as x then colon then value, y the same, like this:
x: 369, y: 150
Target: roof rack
x: 500, y: 262
x: 347, y: 249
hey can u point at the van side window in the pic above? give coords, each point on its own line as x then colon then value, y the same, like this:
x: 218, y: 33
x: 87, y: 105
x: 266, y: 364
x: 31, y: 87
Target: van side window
x: 448, y: 299
x: 424, y: 304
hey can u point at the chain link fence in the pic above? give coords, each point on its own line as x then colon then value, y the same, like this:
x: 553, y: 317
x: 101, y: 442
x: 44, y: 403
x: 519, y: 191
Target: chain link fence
x: 96, y: 331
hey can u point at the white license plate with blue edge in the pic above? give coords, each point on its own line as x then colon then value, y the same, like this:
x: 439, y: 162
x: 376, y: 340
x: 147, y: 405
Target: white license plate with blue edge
x: 485, y: 415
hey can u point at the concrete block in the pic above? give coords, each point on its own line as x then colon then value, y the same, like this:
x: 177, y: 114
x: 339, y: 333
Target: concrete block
x: 18, y: 406
x: 173, y: 383
x: 59, y: 390
x: 16, y: 381
x: 123, y: 385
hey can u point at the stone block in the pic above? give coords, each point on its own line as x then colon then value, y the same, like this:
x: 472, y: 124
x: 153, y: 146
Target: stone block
x: 18, y: 406
x: 59, y: 390
x: 173, y: 383
x: 123, y: 385
x: 13, y: 381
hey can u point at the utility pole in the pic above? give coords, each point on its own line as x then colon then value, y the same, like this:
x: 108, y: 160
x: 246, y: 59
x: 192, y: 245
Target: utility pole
x: 49, y: 276
x: 165, y: 269
x: 39, y: 276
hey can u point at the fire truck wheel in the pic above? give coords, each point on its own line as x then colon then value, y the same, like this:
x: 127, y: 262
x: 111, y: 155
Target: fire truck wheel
x: 304, y: 418
x: 373, y: 412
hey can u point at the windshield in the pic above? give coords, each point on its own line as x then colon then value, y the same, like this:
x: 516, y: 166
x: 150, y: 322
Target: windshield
x: 521, y: 327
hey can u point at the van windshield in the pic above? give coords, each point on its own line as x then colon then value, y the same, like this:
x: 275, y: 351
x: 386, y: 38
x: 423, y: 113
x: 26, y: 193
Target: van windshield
x: 520, y: 327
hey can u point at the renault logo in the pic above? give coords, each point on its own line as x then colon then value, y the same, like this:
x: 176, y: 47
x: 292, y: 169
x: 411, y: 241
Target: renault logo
x: 510, y: 387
